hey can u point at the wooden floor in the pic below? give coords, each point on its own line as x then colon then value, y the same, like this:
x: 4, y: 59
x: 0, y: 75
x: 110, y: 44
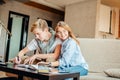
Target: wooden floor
x: 2, y: 74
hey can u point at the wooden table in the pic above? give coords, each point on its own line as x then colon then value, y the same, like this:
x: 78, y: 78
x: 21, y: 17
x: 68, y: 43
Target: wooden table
x: 34, y: 74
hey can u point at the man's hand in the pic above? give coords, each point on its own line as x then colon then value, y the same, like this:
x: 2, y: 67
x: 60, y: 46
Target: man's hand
x: 16, y: 60
x: 31, y: 59
x: 26, y: 60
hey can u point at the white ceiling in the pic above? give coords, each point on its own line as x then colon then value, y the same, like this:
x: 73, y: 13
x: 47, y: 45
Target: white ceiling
x: 57, y: 4
x: 60, y: 4
x: 63, y: 3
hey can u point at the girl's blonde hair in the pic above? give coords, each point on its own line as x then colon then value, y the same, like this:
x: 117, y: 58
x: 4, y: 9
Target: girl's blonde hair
x: 66, y: 27
x: 40, y: 23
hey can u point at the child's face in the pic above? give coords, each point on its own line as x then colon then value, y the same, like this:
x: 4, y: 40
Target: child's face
x: 62, y: 33
x: 39, y: 34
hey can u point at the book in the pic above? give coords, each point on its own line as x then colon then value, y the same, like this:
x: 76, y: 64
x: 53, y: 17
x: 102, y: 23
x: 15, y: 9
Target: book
x: 39, y: 68
x: 3, y: 64
x: 43, y: 69
x: 31, y: 67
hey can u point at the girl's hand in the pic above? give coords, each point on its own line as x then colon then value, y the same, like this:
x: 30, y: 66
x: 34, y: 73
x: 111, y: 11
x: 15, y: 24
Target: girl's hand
x: 42, y: 63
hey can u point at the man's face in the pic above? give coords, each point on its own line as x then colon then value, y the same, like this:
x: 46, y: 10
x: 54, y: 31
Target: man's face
x: 39, y: 34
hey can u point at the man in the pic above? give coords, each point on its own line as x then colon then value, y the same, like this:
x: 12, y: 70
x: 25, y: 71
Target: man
x: 45, y: 41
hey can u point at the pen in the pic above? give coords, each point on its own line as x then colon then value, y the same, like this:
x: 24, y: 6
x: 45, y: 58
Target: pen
x: 18, y: 58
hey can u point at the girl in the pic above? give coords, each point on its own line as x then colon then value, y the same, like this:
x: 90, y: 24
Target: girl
x: 71, y: 59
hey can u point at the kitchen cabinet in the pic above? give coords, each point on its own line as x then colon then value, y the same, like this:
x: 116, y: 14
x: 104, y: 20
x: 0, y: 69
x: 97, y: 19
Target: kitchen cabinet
x: 105, y: 18
x: 109, y: 20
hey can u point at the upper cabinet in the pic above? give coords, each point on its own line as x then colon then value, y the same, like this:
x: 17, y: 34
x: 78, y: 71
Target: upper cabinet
x: 109, y: 21
x: 115, y: 22
x: 105, y: 18
x: 94, y: 18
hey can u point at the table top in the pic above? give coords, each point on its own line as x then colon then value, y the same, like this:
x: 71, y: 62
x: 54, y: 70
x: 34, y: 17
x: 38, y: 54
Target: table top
x: 11, y: 68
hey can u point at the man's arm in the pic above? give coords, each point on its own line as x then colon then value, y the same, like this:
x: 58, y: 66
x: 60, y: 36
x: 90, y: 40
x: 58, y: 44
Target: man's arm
x: 18, y: 59
x: 23, y: 51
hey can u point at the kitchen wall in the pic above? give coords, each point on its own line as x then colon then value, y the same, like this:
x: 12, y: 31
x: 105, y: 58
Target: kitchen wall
x: 82, y: 18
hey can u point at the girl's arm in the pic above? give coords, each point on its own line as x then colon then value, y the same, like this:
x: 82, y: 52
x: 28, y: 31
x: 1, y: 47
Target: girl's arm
x: 56, y: 63
x: 54, y: 55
